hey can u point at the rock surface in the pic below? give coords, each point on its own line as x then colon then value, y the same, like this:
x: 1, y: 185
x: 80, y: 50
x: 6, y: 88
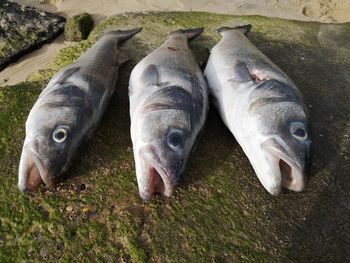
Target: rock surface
x: 78, y: 27
x: 327, y: 11
x: 333, y: 11
x: 23, y: 29
x: 221, y: 213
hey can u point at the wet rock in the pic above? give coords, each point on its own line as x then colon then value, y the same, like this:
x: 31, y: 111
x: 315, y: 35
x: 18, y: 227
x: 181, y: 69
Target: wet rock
x: 23, y: 29
x: 78, y: 27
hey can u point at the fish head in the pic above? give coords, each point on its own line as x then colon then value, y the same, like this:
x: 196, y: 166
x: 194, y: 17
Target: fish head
x: 53, y: 133
x: 161, y: 150
x: 283, y: 137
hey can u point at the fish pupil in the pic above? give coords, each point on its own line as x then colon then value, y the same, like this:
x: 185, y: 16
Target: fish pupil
x: 174, y: 140
x: 300, y: 132
x: 60, y: 135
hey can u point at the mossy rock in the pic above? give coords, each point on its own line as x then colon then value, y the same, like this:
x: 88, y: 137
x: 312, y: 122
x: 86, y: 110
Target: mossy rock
x: 78, y: 27
x: 24, y: 29
x: 221, y: 212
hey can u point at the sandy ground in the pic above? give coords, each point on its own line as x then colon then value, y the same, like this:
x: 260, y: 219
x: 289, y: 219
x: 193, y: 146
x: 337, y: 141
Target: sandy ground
x: 31, y: 63
x: 309, y: 10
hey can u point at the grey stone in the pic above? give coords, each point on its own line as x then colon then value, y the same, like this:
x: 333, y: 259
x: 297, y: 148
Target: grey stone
x: 23, y: 29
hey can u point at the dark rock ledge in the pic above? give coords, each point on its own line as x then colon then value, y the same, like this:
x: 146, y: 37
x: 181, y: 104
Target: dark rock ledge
x: 23, y: 29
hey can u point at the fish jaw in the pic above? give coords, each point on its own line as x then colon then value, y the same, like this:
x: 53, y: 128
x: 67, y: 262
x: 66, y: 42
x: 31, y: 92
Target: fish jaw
x: 267, y: 170
x: 283, y: 169
x: 152, y: 176
x: 32, y: 170
x: 292, y: 173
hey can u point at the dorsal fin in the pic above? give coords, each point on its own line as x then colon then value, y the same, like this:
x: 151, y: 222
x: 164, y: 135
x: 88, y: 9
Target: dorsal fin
x: 245, y: 29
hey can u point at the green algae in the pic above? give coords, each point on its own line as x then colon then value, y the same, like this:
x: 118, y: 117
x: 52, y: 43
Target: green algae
x: 220, y: 213
x: 78, y: 27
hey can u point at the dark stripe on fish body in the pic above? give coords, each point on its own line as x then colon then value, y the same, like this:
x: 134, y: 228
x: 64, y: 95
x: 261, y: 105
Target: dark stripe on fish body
x: 100, y: 66
x: 100, y: 75
x: 172, y: 97
x: 197, y: 91
x: 188, y: 76
x: 176, y: 98
x: 70, y: 93
x: 197, y: 94
x: 272, y: 91
x: 73, y: 97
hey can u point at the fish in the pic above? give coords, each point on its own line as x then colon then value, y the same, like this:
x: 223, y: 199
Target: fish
x: 262, y: 108
x: 168, y: 105
x: 68, y: 110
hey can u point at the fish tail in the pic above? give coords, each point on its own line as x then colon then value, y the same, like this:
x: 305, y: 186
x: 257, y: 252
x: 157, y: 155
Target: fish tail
x: 191, y: 33
x: 123, y: 35
x: 245, y: 29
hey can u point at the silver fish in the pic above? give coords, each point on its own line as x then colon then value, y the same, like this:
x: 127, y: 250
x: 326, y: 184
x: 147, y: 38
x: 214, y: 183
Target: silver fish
x: 168, y: 105
x: 68, y: 111
x: 263, y: 109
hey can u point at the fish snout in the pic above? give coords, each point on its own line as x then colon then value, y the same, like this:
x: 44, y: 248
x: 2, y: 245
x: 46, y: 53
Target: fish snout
x: 153, y: 176
x: 32, y: 170
x: 286, y: 167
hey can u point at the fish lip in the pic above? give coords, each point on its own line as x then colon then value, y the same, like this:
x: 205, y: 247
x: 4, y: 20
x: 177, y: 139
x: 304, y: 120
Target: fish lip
x: 30, y: 160
x: 296, y: 180
x: 152, y: 161
x: 168, y: 187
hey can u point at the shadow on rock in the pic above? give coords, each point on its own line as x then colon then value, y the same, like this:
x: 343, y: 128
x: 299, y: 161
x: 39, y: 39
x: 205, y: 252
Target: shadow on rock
x: 319, y: 72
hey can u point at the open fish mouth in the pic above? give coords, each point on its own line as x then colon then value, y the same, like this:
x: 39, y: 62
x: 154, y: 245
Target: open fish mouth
x: 154, y: 177
x: 291, y: 174
x: 32, y: 171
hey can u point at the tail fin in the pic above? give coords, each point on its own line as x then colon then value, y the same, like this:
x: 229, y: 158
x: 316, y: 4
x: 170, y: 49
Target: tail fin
x: 191, y: 33
x: 123, y: 35
x: 245, y: 29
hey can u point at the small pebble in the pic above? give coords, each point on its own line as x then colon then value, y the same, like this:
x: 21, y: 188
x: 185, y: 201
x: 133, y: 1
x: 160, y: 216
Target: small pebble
x: 69, y: 208
x: 86, y: 209
x: 43, y: 253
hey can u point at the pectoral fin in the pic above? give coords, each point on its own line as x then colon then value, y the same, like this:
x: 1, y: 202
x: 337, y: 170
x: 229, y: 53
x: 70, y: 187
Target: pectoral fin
x: 63, y: 75
x: 241, y: 72
x: 123, y: 58
x: 150, y: 75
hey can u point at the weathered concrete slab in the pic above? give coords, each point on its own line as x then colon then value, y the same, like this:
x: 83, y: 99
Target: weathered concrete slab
x: 23, y: 29
x: 221, y: 213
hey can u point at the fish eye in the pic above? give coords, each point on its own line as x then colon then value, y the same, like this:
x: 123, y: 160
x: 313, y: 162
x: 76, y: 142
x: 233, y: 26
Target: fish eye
x: 60, y: 135
x: 298, y: 131
x: 175, y: 139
